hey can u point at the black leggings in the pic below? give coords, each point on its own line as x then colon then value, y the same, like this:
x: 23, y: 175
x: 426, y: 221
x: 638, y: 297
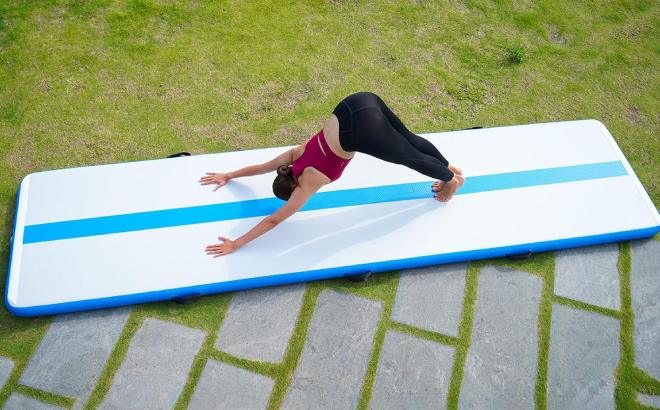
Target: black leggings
x: 367, y: 125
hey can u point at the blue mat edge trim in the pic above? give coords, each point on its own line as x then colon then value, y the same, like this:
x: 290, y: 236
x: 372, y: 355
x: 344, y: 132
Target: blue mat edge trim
x: 11, y: 247
x: 283, y: 279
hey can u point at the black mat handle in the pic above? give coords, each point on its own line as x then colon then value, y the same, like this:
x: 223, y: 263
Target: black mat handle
x: 520, y: 257
x: 180, y: 154
x: 184, y: 300
x: 358, y: 278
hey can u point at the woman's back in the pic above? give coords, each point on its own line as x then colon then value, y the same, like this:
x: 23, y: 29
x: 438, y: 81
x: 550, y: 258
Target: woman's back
x: 331, y: 134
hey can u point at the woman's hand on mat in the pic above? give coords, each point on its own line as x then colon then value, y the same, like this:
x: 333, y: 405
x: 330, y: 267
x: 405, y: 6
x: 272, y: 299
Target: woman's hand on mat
x: 221, y: 249
x: 215, y: 178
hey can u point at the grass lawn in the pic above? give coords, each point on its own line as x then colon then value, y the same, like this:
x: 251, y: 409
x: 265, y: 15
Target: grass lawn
x: 92, y: 82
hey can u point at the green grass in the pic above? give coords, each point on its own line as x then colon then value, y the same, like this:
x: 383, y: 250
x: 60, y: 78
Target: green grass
x: 90, y: 82
x: 517, y: 55
x: 464, y: 335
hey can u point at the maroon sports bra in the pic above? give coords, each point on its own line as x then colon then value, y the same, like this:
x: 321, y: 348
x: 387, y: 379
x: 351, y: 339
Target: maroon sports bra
x: 329, y: 163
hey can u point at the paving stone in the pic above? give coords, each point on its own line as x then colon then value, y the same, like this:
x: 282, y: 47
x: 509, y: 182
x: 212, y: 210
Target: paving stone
x: 645, y: 288
x: 156, y: 367
x: 431, y: 298
x: 259, y: 322
x: 589, y: 274
x: 19, y: 402
x: 649, y: 400
x: 223, y: 386
x: 584, y: 351
x: 6, y: 366
x: 336, y: 353
x: 413, y: 373
x: 71, y: 356
x: 500, y: 371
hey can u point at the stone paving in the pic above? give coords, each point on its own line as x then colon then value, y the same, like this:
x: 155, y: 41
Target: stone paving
x: 226, y: 386
x: 589, y: 275
x: 252, y: 331
x: 155, y: 368
x: 584, y: 351
x: 431, y: 298
x: 649, y: 400
x: 645, y: 286
x: 72, y: 354
x: 413, y: 373
x: 500, y: 371
x: 6, y: 366
x: 412, y: 363
x: 334, y: 360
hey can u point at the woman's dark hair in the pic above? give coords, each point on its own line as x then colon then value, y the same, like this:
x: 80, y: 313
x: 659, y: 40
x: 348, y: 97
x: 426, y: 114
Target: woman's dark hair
x: 284, y: 183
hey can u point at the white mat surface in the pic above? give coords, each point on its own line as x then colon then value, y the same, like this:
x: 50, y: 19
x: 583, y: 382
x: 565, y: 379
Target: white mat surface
x: 55, y: 276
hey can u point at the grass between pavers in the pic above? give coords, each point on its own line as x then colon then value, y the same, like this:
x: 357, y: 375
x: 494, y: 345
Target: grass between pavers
x: 208, y: 313
x: 19, y: 348
x: 464, y: 335
x: 92, y: 82
x: 544, y: 326
x: 44, y: 396
x: 630, y: 379
x: 382, y: 287
x: 542, y: 265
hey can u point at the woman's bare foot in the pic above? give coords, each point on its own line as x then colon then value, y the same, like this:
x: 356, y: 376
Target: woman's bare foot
x: 450, y: 188
x: 438, y: 185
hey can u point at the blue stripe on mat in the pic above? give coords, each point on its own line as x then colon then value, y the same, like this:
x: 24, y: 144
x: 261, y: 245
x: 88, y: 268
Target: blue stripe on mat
x: 322, y: 200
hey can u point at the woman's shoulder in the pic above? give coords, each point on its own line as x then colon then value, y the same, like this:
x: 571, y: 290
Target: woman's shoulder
x: 313, y: 178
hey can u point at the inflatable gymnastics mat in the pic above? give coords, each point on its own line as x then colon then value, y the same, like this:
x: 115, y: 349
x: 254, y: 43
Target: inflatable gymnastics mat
x: 121, y: 234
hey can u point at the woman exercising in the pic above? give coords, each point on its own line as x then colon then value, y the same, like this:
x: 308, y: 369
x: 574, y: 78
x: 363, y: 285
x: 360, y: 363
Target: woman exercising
x: 360, y: 123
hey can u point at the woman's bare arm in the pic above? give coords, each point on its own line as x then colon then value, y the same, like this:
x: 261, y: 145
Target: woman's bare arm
x: 299, y: 197
x: 285, y: 158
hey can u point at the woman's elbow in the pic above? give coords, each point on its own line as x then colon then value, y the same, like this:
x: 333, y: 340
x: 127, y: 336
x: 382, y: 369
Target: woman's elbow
x: 273, y: 220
